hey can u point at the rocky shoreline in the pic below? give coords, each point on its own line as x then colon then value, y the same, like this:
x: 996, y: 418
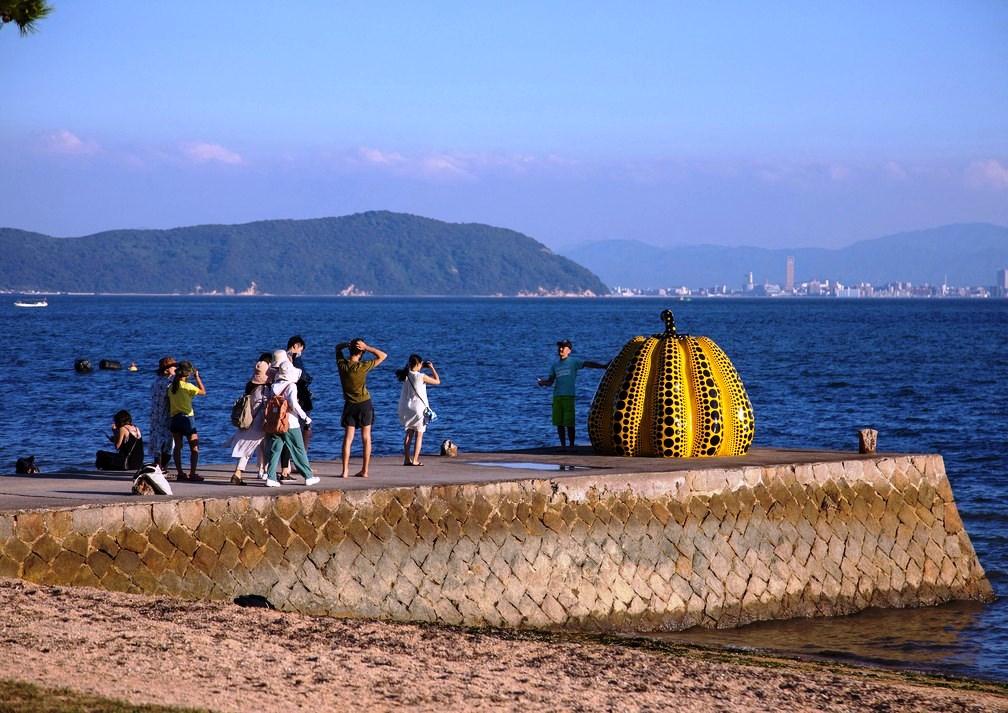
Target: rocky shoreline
x: 224, y: 657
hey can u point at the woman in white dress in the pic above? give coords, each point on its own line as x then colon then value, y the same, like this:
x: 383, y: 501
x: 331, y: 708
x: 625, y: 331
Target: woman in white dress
x: 250, y: 441
x: 412, y: 404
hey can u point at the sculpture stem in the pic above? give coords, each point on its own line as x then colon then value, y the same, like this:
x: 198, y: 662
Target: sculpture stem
x: 669, y: 321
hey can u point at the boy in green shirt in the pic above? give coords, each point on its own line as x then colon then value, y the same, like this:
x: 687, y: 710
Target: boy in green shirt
x: 563, y: 375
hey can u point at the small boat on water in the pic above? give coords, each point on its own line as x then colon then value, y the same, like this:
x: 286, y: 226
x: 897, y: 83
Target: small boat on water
x: 39, y: 303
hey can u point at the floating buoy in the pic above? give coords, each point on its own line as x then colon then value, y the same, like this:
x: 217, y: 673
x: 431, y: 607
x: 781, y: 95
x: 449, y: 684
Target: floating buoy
x: 109, y: 364
x: 82, y: 366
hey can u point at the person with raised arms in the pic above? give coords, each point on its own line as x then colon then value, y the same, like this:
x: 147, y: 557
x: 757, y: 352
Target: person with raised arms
x: 563, y: 378
x: 358, y: 411
x: 183, y: 418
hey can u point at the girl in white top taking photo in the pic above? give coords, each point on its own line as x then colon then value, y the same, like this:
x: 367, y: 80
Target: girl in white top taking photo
x: 414, y: 406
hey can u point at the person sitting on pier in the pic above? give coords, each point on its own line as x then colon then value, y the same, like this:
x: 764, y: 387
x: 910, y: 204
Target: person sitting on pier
x: 563, y: 376
x: 128, y: 442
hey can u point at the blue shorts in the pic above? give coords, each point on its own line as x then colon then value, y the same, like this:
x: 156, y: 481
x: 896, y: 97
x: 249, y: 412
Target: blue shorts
x: 183, y: 425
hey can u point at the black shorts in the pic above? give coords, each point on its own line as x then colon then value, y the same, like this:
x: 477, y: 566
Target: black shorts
x: 183, y: 425
x: 357, y: 415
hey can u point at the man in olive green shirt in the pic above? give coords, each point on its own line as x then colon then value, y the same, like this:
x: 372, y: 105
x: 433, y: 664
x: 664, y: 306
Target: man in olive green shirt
x: 358, y: 411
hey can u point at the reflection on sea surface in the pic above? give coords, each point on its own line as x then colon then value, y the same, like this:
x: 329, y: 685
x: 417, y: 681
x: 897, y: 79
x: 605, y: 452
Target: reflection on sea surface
x: 939, y: 639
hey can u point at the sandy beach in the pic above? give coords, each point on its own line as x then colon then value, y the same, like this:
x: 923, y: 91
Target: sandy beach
x: 225, y: 657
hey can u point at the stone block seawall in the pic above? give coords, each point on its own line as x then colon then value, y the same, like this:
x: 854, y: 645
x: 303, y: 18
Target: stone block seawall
x: 711, y: 546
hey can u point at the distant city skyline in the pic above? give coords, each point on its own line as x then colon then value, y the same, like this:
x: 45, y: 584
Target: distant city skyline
x: 770, y: 125
x: 768, y: 287
x: 961, y: 254
x: 827, y: 287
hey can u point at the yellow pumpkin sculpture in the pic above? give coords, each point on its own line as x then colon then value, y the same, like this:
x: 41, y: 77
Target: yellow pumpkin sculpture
x: 671, y: 395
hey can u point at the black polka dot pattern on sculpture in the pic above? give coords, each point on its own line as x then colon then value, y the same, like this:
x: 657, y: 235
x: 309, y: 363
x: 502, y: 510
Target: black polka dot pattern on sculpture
x: 630, y: 403
x: 602, y: 415
x: 709, y: 412
x: 741, y: 416
x: 671, y: 395
x: 670, y: 435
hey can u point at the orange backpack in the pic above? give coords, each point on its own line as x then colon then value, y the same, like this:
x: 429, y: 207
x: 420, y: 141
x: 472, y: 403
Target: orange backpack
x: 275, y: 418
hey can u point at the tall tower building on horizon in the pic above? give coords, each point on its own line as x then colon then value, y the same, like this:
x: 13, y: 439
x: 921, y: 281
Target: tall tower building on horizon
x: 789, y: 274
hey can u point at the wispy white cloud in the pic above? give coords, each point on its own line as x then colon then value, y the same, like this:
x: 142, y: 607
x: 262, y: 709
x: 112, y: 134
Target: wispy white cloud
x: 989, y: 173
x: 896, y: 170
x: 839, y: 172
x: 787, y: 172
x: 379, y: 157
x: 451, y: 164
x: 445, y: 165
x: 797, y: 173
x: 202, y: 152
x: 515, y: 162
x: 68, y: 143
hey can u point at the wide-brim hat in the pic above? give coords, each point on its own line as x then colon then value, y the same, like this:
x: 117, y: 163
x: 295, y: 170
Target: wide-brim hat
x: 260, y: 374
x: 165, y: 364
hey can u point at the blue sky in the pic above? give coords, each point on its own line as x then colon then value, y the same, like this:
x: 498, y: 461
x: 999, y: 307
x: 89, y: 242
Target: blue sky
x: 773, y: 124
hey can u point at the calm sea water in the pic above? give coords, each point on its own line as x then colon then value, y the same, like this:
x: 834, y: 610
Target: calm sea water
x: 931, y: 376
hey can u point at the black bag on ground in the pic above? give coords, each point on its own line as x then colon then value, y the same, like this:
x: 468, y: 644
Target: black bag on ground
x: 26, y: 466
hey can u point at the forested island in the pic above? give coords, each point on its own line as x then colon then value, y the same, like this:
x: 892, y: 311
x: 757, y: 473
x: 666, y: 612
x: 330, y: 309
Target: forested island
x: 374, y: 253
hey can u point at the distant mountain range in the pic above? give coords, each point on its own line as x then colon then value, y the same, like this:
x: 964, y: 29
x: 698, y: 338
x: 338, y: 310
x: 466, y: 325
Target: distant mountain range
x: 967, y: 254
x: 377, y: 253
x: 384, y: 253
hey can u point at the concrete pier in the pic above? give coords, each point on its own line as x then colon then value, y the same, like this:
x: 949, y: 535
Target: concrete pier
x: 524, y: 538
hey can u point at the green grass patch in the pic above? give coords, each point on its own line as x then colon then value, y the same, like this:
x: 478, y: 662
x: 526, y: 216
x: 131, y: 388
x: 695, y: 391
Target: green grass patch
x: 18, y: 697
